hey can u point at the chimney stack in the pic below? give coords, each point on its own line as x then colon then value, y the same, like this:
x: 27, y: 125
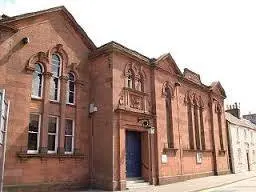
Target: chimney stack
x: 234, y: 110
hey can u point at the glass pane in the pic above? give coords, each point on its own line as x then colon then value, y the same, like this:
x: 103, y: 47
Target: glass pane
x: 34, y: 122
x: 71, y: 97
x: 1, y: 97
x: 32, y: 141
x: 51, y: 142
x: 54, y: 89
x: 68, y: 144
x: 69, y: 125
x: 55, y: 57
x: 36, y: 84
x: 52, y: 125
x: 38, y: 68
x: 55, y: 70
x: 71, y: 86
x: 71, y: 77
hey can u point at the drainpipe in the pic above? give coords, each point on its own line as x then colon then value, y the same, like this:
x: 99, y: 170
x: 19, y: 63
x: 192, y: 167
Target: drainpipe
x: 5, y: 135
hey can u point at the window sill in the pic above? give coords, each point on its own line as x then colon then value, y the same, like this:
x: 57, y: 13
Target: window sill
x: 170, y: 150
x: 198, y: 150
x: 222, y: 152
x: 47, y: 156
x: 71, y: 104
x: 54, y: 102
x: 36, y: 98
x: 135, y: 91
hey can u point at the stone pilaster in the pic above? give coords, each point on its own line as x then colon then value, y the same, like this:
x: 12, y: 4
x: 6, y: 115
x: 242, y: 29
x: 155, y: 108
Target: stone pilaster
x: 63, y: 101
x: 44, y: 128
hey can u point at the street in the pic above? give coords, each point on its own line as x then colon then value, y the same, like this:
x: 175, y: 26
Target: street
x: 248, y: 185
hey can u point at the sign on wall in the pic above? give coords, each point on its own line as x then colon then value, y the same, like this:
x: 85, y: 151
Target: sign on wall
x: 199, y: 157
x: 164, y: 158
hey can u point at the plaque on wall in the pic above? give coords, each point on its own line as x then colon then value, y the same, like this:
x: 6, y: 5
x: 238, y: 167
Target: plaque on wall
x: 199, y: 156
x: 164, y: 158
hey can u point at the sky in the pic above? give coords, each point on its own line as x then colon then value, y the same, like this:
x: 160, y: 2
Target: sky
x: 215, y: 38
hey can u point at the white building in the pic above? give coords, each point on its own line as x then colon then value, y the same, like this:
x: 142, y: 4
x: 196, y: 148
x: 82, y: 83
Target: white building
x: 242, y: 142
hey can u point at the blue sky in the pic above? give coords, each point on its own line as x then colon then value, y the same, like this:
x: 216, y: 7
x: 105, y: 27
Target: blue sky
x: 215, y: 38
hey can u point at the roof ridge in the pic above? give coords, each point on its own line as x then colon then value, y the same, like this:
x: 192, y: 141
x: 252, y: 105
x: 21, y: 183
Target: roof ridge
x: 34, y: 13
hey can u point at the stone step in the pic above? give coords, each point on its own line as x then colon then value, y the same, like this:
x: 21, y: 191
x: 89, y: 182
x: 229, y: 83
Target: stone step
x: 135, y: 183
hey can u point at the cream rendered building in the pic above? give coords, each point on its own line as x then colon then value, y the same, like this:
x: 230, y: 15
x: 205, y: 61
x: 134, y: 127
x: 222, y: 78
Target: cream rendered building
x: 241, y: 140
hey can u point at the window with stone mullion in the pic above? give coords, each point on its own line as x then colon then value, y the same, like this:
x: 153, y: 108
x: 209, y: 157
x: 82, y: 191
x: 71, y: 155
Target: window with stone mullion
x: 190, y: 125
x: 55, y: 84
x: 169, y: 123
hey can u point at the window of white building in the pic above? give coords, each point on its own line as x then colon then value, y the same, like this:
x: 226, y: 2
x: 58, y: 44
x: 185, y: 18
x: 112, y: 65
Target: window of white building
x: 237, y: 135
x: 245, y: 134
x: 239, y: 155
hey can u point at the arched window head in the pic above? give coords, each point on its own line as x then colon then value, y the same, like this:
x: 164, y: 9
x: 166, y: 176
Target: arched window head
x: 37, y: 82
x: 168, y: 94
x: 130, y: 79
x: 71, y: 89
x: 56, y: 72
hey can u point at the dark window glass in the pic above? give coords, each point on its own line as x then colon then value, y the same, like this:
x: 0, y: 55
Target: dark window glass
x: 52, y: 125
x: 51, y: 142
x: 71, y: 97
x: 68, y: 136
x: 69, y: 126
x: 32, y: 141
x: 68, y: 144
x: 52, y: 133
x: 71, y: 88
x: 33, y: 132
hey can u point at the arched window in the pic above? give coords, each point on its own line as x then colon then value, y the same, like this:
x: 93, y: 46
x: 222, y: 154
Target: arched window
x: 37, y: 82
x: 139, y: 84
x: 71, y: 89
x: 56, y: 71
x: 169, y: 122
x: 130, y: 79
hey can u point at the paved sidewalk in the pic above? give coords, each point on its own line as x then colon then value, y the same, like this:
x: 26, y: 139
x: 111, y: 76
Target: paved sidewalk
x: 195, y: 185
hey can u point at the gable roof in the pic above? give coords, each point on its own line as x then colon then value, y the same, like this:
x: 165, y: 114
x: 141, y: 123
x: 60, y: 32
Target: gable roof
x: 240, y: 122
x: 117, y: 46
x: 8, y: 20
x: 217, y: 85
x: 167, y: 56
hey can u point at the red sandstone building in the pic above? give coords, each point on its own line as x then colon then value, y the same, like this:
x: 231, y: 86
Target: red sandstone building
x: 82, y: 115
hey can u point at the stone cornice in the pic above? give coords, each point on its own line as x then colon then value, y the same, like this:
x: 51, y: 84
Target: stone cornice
x: 115, y: 47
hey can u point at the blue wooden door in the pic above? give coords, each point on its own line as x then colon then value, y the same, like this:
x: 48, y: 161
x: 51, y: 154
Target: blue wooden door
x: 133, y: 154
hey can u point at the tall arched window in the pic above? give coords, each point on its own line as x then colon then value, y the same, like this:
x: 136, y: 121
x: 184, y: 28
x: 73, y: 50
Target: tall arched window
x: 37, y: 82
x: 190, y: 123
x: 169, y: 123
x: 130, y: 79
x: 71, y: 89
x: 139, y: 84
x: 219, y: 114
x: 196, y: 126
x: 56, y: 71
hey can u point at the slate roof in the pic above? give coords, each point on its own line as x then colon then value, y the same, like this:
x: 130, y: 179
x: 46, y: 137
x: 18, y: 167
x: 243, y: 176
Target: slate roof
x: 241, y: 122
